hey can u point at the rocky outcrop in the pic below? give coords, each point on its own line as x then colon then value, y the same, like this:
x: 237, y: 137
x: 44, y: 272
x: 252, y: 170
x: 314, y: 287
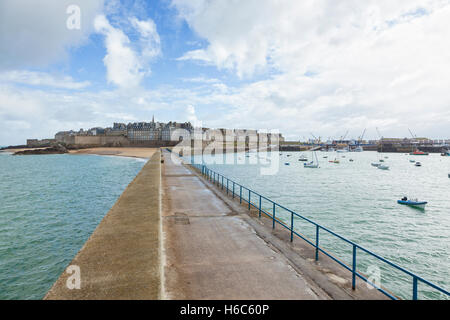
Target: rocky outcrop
x: 56, y: 149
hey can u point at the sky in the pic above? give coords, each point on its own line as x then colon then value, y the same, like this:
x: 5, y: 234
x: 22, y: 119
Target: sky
x: 306, y: 67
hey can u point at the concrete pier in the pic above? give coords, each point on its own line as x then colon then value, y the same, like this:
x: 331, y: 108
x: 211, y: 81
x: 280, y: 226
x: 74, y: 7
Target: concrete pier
x: 211, y: 252
x: 121, y: 259
x: 174, y: 235
x: 216, y: 249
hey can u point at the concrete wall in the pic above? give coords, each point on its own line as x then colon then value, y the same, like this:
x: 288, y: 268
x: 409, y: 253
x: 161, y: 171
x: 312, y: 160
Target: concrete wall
x: 111, y: 141
x: 35, y: 143
x: 121, y: 259
x: 115, y: 141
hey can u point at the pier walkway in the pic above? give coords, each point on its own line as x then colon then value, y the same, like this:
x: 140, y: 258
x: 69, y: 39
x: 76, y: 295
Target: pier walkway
x: 211, y: 252
x: 121, y: 259
x: 174, y: 235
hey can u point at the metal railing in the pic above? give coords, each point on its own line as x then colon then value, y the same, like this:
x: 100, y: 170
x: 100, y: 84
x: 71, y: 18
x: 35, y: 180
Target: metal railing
x: 232, y: 187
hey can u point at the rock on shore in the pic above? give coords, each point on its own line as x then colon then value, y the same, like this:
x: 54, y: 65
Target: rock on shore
x: 56, y: 149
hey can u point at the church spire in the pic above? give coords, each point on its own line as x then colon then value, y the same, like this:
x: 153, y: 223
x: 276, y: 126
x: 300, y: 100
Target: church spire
x: 153, y: 119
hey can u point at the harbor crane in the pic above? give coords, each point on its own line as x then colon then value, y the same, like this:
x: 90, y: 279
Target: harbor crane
x: 379, y: 135
x: 361, y: 137
x: 412, y: 135
x: 317, y: 140
x: 414, y: 138
x: 344, y: 136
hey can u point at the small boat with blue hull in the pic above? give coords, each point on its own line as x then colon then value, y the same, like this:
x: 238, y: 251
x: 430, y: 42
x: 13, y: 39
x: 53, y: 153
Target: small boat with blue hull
x: 413, y: 203
x: 313, y: 164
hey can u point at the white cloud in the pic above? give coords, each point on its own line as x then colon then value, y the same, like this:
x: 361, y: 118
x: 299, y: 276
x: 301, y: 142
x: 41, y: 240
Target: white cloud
x: 337, y: 64
x: 201, y: 80
x: 35, y: 33
x: 126, y: 63
x: 41, y: 79
x: 150, y: 42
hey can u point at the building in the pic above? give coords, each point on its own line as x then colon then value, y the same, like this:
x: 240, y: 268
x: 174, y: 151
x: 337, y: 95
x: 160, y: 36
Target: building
x: 139, y: 133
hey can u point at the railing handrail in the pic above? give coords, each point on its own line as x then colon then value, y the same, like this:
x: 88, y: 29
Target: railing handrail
x: 207, y: 171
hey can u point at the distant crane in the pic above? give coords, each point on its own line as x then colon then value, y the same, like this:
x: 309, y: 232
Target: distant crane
x: 362, y: 136
x: 344, y: 136
x: 379, y: 135
x: 316, y: 140
x: 414, y: 139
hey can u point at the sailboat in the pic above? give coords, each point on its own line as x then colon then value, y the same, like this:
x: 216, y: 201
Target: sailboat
x: 313, y: 164
x: 303, y: 158
x: 380, y: 160
x: 375, y: 164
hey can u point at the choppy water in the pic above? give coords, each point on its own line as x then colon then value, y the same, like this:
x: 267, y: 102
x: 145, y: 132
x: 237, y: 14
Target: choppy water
x: 49, y: 206
x: 358, y: 201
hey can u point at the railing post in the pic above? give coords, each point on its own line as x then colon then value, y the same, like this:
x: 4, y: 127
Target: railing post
x: 354, y: 268
x: 260, y: 206
x: 227, y: 184
x: 233, y: 189
x: 240, y: 194
x: 273, y: 216
x: 249, y: 196
x: 292, y: 226
x: 222, y: 182
x: 317, y: 242
x: 414, y: 288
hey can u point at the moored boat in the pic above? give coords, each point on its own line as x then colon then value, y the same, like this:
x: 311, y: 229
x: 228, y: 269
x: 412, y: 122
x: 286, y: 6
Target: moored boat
x: 383, y: 167
x: 418, y: 153
x: 313, y: 164
x: 418, y: 164
x: 413, y: 203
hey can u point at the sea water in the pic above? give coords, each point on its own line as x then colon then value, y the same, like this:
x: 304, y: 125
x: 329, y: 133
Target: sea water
x: 49, y: 206
x: 359, y: 202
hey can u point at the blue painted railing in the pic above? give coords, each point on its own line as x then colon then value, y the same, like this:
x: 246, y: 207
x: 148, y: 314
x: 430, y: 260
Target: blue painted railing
x: 231, y: 186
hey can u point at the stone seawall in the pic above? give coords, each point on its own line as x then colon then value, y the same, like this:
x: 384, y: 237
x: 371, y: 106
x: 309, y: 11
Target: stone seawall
x: 122, y: 258
x: 113, y: 141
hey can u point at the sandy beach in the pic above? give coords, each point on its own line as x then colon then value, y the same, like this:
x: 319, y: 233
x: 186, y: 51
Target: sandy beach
x: 122, y: 152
